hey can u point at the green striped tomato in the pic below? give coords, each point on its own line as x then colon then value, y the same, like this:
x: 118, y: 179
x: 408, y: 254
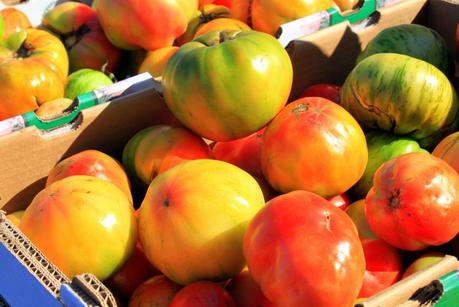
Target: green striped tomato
x: 226, y: 85
x: 402, y: 95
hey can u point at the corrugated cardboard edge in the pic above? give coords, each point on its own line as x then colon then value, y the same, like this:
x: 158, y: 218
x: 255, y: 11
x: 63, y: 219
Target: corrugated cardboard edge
x: 95, y: 289
x: 26, y: 253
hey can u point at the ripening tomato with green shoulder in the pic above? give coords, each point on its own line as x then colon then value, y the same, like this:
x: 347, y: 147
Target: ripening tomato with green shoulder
x: 233, y: 81
x: 33, y: 69
x: 268, y: 15
x: 148, y: 24
x: 414, y: 201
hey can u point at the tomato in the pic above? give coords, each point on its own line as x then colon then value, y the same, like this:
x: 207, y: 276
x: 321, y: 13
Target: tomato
x: 246, y: 292
x: 325, y: 90
x: 268, y: 15
x: 253, y: 70
x: 226, y: 3
x: 313, y: 144
x: 91, y: 163
x: 145, y: 152
x: 158, y: 291
x: 134, y: 272
x: 13, y: 21
x: 423, y: 262
x: 78, y: 27
x: 414, y: 201
x: 383, y: 267
x: 345, y: 5
x: 447, y: 149
x: 201, y: 17
x: 244, y: 152
x: 90, y: 211
x: 300, y: 248
x: 53, y: 108
x: 356, y: 212
x: 32, y: 71
x: 341, y: 201
x: 221, y: 24
x: 203, y: 294
x: 149, y: 24
x: 155, y: 61
x: 198, y: 210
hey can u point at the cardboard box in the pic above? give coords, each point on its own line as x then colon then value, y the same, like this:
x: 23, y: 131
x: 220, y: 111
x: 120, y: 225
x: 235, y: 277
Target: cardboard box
x: 27, y: 156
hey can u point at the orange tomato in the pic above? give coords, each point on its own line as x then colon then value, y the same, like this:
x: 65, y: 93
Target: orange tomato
x: 221, y: 24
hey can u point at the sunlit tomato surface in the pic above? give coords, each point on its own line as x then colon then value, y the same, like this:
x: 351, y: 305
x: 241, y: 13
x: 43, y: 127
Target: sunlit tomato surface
x: 244, y: 153
x: 246, y: 292
x: 13, y: 21
x: 300, y: 248
x: 32, y: 70
x: 193, y: 218
x: 205, y: 78
x: 268, y: 15
x: 414, y: 201
x: 221, y: 24
x: 149, y: 24
x: 91, y: 163
x: 313, y: 144
x: 345, y: 5
x: 324, y: 90
x: 158, y: 291
x: 383, y: 267
x: 145, y: 152
x: 82, y: 224
x: 156, y: 60
x: 203, y: 294
x: 78, y: 27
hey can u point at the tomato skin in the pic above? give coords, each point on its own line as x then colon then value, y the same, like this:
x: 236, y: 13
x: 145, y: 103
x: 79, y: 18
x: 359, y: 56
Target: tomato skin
x: 285, y: 245
x: 84, y: 209
x: 253, y: 69
x: 383, y: 267
x: 267, y: 15
x: 155, y: 61
x: 34, y: 78
x: 198, y: 209
x: 244, y: 152
x: 150, y: 24
x: 13, y: 21
x: 246, y: 292
x: 313, y: 144
x: 203, y: 294
x: 325, y: 90
x: 91, y: 163
x: 341, y: 201
x: 88, y: 50
x: 221, y: 24
x: 158, y: 291
x: 414, y: 201
x: 448, y: 150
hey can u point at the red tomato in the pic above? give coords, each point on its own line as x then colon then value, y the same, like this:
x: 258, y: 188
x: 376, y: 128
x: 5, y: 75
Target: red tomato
x: 285, y: 244
x: 315, y: 145
x: 325, y: 90
x: 341, y: 201
x: 414, y: 201
x: 226, y: 3
x: 244, y: 153
x: 383, y: 267
x: 203, y: 294
x: 136, y: 270
x: 246, y: 292
x: 157, y: 291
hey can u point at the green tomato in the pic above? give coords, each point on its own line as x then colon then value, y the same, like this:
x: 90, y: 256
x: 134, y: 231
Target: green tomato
x: 225, y: 85
x: 382, y: 147
x: 84, y: 81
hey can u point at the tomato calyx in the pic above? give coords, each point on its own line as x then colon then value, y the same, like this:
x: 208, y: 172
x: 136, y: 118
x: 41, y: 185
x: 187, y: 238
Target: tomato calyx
x: 209, y: 13
x: 24, y: 51
x: 221, y: 37
x: 300, y: 108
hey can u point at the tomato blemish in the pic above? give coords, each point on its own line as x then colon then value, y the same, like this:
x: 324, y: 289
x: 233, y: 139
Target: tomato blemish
x: 394, y: 200
x: 166, y: 203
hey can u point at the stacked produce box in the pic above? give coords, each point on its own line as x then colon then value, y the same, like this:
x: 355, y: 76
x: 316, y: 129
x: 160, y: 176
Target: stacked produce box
x: 184, y: 153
